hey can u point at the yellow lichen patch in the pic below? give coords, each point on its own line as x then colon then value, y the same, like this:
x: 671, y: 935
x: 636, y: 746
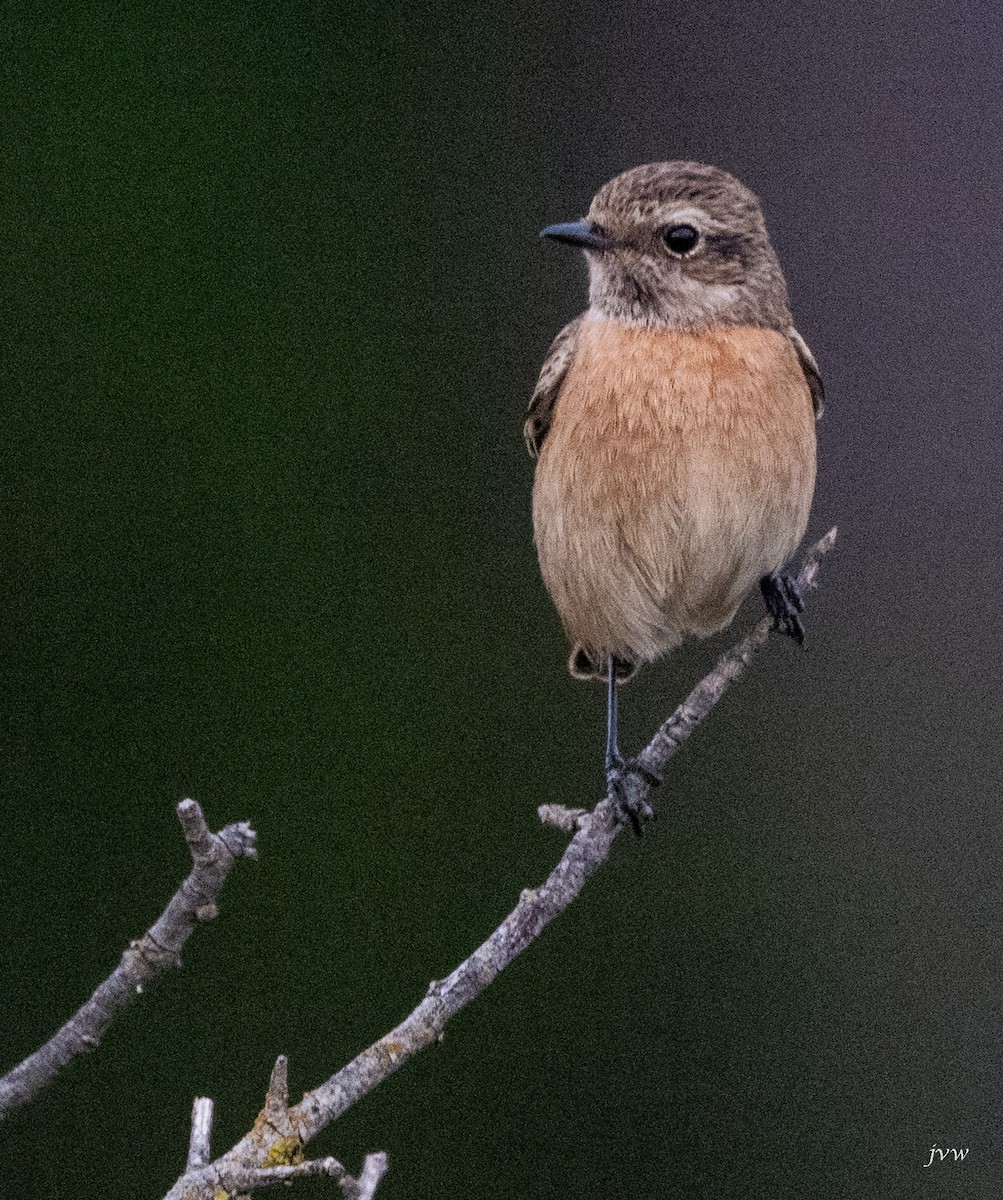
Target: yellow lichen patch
x: 285, y: 1152
x: 219, y: 1194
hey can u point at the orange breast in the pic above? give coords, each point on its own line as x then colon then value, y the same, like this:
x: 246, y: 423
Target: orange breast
x: 679, y: 469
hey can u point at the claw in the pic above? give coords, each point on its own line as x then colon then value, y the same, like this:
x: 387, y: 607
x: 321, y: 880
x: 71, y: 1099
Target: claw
x: 627, y: 784
x: 784, y: 602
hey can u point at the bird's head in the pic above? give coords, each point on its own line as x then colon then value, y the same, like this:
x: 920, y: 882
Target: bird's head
x: 681, y: 245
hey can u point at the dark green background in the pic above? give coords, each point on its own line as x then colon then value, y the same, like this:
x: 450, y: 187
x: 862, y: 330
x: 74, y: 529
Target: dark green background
x: 272, y: 308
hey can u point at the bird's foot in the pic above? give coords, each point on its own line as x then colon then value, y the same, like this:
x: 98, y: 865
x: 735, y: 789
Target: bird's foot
x: 627, y: 785
x: 784, y: 602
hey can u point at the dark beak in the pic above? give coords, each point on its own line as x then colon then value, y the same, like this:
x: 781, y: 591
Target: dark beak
x: 585, y: 234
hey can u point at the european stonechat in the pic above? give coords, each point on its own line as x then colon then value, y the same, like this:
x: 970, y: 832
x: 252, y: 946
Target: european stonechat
x: 673, y: 426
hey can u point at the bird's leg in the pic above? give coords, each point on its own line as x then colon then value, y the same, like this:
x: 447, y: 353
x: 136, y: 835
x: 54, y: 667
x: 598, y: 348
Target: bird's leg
x: 784, y: 602
x: 613, y: 756
x: 625, y: 779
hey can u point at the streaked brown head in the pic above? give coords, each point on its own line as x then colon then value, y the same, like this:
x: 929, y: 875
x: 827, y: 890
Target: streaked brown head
x: 679, y: 244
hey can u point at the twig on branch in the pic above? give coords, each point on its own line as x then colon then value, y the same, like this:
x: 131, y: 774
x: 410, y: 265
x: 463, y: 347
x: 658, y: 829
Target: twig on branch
x: 200, y: 1143
x: 279, y: 1157
x: 213, y: 854
x: 568, y: 819
x: 373, y: 1170
x: 256, y: 1177
x: 594, y: 834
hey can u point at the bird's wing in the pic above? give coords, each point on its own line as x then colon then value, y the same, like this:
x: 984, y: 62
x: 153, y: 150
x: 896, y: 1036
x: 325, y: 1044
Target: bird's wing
x: 555, y: 366
x: 812, y: 374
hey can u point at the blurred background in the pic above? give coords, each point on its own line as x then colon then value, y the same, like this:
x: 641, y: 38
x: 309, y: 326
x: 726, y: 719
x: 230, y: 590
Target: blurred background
x: 273, y: 307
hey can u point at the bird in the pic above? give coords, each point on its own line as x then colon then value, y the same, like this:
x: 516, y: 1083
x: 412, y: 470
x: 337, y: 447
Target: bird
x: 673, y: 428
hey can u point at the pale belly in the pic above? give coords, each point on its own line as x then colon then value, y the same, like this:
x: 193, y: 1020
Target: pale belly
x: 679, y: 469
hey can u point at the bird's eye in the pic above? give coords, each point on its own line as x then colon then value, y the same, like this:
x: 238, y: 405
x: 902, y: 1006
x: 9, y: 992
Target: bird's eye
x: 681, y: 239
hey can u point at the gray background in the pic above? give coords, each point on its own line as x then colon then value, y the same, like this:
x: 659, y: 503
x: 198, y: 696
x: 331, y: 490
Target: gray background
x: 272, y: 308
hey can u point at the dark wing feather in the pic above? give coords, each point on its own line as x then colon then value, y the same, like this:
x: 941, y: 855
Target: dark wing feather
x: 541, y: 405
x: 811, y: 372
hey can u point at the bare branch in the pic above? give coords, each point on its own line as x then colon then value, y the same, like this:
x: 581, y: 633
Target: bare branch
x: 594, y: 834
x: 537, y: 908
x: 213, y: 854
